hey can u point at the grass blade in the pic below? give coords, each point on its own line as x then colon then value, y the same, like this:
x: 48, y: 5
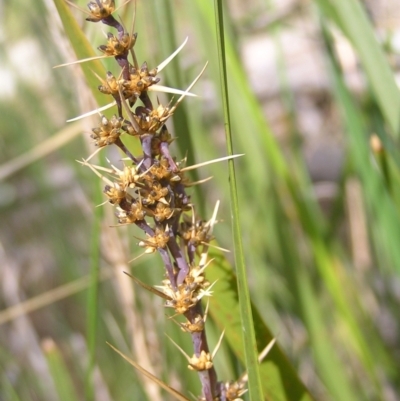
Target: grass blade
x: 352, y: 18
x: 59, y: 371
x: 83, y: 50
x: 384, y: 212
x: 255, y: 388
x: 92, y: 300
x: 279, y: 380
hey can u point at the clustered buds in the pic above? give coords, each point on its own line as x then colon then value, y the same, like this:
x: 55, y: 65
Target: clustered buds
x: 108, y: 131
x: 100, y: 10
x: 187, y: 294
x: 116, y: 46
x: 149, y: 191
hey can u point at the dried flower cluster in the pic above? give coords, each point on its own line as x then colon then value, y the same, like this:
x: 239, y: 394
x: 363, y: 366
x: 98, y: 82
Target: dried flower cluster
x: 150, y: 192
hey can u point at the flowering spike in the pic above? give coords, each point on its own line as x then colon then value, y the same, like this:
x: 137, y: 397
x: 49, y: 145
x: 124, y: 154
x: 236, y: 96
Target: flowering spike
x: 149, y: 190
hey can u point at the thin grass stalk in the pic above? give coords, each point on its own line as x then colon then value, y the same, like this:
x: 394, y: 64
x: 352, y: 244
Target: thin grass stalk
x: 59, y: 371
x: 49, y: 297
x: 249, y: 338
x: 92, y: 300
x: 48, y: 146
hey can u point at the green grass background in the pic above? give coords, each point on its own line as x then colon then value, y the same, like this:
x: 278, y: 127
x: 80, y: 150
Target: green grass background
x: 336, y: 324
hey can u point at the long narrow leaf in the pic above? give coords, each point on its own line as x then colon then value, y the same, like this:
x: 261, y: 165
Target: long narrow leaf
x: 352, y: 18
x: 59, y: 372
x: 83, y: 49
x: 255, y: 388
x: 383, y: 211
x: 279, y: 380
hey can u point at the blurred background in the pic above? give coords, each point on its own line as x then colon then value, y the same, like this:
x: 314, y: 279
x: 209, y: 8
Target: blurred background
x: 314, y: 109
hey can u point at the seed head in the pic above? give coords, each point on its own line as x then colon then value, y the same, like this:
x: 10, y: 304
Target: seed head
x: 109, y: 85
x: 128, y: 177
x: 118, y: 46
x: 108, y: 131
x: 197, y: 326
x: 139, y: 81
x: 201, y: 362
x: 115, y: 194
x: 234, y: 390
x: 153, y: 193
x: 136, y: 213
x: 150, y: 121
x: 160, y: 169
x: 159, y: 240
x: 100, y: 9
x: 195, y: 234
x: 162, y: 212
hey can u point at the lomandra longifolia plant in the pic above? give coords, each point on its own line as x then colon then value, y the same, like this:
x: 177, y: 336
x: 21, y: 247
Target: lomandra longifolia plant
x: 149, y: 191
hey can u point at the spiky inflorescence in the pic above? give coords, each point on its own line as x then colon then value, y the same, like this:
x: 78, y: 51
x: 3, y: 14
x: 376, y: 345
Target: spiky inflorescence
x: 150, y: 192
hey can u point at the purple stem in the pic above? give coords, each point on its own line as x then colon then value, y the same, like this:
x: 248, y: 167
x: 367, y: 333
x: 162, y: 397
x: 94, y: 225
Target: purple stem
x: 144, y: 97
x: 164, y: 149
x: 168, y: 265
x: 142, y: 224
x: 123, y: 62
x: 179, y: 258
x: 145, y: 139
x: 191, y: 252
x: 120, y: 144
x: 119, y: 105
x: 111, y: 21
x: 208, y: 377
x: 221, y: 391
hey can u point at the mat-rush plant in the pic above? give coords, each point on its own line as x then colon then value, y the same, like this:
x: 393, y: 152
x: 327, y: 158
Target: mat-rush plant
x: 149, y: 191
